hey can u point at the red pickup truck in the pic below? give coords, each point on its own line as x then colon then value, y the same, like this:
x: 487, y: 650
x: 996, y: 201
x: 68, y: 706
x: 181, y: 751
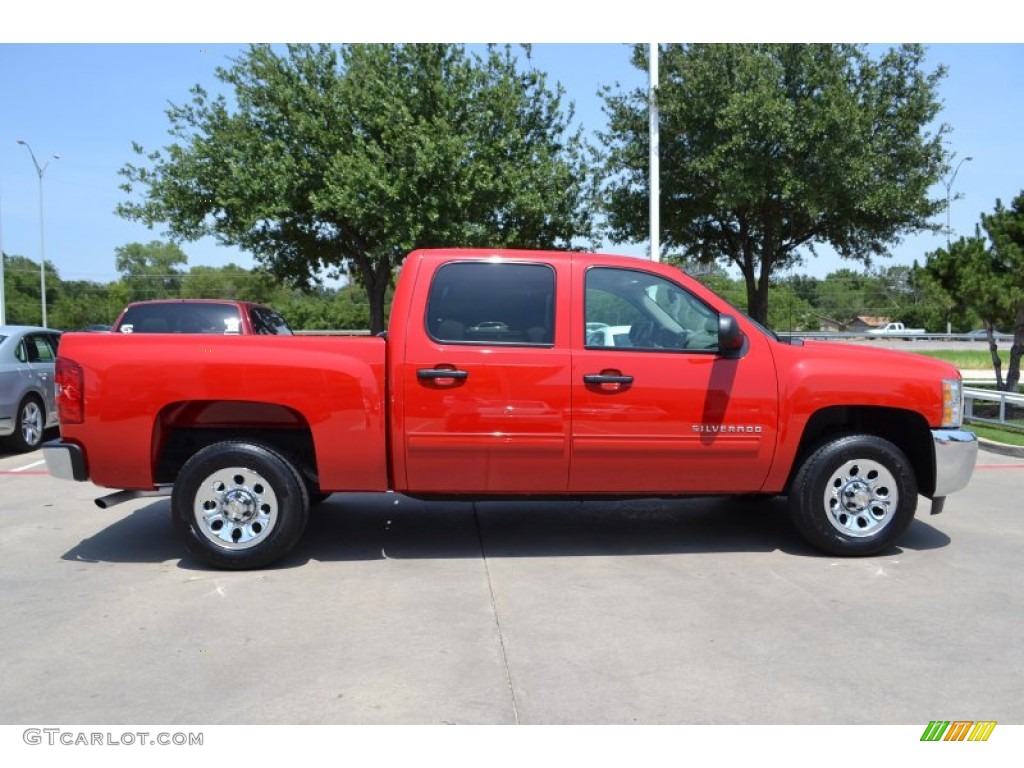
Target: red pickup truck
x: 200, y: 316
x: 493, y: 380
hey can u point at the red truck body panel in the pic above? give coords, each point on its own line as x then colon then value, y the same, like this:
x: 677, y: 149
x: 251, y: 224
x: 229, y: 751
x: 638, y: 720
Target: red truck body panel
x: 135, y: 385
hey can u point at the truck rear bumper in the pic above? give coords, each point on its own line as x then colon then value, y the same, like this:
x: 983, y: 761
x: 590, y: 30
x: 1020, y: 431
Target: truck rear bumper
x: 65, y: 460
x: 956, y: 450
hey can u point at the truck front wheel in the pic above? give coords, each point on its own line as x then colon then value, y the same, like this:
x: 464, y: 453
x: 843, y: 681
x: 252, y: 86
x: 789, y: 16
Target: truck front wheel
x: 854, y: 496
x: 239, y: 505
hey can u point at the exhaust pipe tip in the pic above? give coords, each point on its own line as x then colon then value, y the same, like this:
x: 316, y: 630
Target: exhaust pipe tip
x: 108, y: 501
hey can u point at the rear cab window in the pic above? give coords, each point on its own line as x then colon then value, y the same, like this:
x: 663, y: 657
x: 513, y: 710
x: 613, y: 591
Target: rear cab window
x: 492, y: 303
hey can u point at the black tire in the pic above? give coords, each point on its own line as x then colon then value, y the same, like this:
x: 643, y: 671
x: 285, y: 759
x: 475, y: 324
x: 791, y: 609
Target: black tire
x: 854, y: 496
x: 29, y: 426
x: 239, y: 505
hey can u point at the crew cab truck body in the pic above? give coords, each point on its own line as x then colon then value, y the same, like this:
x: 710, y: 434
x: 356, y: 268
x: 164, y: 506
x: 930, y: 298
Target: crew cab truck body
x: 485, y: 386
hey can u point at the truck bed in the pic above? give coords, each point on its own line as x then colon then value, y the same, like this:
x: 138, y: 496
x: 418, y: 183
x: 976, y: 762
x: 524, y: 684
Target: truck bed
x: 154, y: 389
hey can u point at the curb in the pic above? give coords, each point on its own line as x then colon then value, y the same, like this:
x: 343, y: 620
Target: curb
x: 1006, y: 450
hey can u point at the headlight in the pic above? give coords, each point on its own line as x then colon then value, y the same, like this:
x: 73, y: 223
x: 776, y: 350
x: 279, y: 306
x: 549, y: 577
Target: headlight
x: 952, y: 403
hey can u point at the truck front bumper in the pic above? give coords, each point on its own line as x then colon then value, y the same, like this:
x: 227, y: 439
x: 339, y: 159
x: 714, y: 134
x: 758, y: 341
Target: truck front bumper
x: 65, y: 460
x: 956, y: 450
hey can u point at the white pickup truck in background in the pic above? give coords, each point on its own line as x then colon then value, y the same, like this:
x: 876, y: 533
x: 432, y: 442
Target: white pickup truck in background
x: 895, y: 330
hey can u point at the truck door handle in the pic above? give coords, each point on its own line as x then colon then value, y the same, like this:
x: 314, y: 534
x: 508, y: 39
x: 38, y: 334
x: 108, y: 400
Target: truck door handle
x: 432, y: 374
x: 606, y: 378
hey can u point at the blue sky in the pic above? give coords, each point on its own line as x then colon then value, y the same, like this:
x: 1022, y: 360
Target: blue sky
x: 88, y: 101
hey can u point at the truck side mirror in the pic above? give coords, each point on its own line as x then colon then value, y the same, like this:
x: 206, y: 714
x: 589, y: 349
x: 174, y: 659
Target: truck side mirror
x: 730, y: 337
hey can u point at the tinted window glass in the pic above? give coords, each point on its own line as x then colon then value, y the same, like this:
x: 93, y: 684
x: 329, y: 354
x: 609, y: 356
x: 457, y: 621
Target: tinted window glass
x: 492, y: 303
x: 182, y: 318
x: 39, y: 348
x: 267, y: 322
x: 640, y: 310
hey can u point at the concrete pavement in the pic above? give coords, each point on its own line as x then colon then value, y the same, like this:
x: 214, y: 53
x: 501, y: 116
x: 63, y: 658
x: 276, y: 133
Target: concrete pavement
x: 398, y: 611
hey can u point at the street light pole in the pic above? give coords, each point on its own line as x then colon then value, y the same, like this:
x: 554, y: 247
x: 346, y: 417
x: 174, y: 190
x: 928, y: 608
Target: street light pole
x: 3, y: 305
x: 654, y: 170
x: 42, y: 245
x: 949, y: 200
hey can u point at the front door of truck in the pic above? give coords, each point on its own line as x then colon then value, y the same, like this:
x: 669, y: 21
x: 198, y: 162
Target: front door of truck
x: 656, y: 406
x: 485, y: 390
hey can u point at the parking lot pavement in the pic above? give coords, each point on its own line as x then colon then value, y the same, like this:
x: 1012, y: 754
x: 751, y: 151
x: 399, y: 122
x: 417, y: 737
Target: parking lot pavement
x: 397, y: 611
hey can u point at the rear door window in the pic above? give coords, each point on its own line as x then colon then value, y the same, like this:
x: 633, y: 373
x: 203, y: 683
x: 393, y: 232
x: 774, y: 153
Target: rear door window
x: 492, y: 303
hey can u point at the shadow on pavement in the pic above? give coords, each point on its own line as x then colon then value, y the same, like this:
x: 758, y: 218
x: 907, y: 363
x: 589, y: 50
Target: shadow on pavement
x: 352, y: 527
x: 145, y: 536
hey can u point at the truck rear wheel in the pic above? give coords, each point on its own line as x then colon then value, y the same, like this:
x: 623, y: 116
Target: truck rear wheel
x: 854, y: 496
x: 239, y: 505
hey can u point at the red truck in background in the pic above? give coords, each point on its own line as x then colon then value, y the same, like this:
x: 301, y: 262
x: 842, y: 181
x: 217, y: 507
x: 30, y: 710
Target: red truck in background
x: 492, y: 381
x: 200, y: 316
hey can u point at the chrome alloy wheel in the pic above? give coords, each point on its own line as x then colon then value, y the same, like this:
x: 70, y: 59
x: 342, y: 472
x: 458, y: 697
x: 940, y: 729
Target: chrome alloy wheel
x: 861, y: 498
x: 31, y: 423
x: 235, y: 508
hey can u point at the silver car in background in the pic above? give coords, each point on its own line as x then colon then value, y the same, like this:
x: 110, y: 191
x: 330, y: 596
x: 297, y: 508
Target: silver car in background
x: 27, y: 404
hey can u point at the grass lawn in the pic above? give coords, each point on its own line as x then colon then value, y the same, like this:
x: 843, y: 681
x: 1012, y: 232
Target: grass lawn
x: 994, y: 433
x: 968, y: 359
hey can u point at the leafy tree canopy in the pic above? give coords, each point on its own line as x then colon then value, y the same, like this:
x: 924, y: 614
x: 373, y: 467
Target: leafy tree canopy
x: 328, y: 157
x: 22, y: 305
x: 151, y: 270
x: 987, y: 277
x: 769, y: 150
x: 1000, y: 278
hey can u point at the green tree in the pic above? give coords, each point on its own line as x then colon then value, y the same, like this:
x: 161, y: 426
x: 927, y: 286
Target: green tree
x: 150, y: 271
x: 229, y: 282
x: 804, y: 286
x: 326, y: 158
x: 842, y: 296
x: 1000, y: 278
x: 81, y: 303
x: 788, y: 312
x: 968, y: 282
x: 769, y: 150
x: 21, y: 290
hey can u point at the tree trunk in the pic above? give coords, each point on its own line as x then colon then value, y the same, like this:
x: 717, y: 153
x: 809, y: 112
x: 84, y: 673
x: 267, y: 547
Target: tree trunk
x: 757, y: 293
x: 376, y: 277
x: 993, y: 348
x: 377, y: 283
x: 1013, y: 369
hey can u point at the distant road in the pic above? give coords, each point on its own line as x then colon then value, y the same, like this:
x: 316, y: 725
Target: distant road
x: 917, y: 346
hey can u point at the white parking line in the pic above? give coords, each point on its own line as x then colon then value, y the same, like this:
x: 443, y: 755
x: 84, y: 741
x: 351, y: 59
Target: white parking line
x: 29, y: 466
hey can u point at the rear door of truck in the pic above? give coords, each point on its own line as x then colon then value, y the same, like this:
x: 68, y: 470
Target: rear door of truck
x: 485, y: 382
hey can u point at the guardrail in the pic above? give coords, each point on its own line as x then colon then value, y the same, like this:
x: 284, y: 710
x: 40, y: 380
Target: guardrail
x: 993, y: 396
x: 1001, y: 338
x: 332, y: 333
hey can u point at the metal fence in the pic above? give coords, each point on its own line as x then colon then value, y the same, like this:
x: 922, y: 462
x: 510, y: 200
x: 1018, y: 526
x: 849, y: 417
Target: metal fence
x: 982, y: 341
x: 1007, y: 411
